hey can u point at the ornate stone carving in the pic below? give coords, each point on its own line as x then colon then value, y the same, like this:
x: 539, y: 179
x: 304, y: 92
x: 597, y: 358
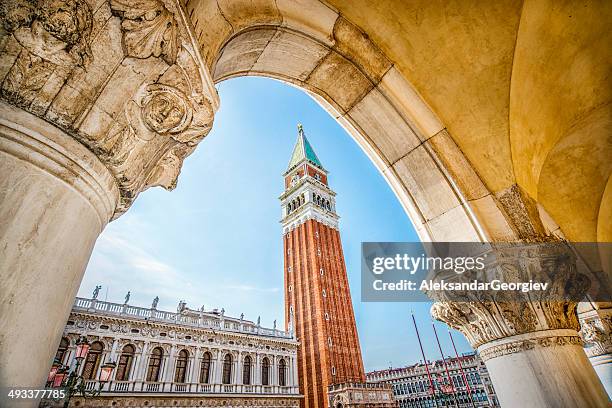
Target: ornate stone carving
x: 48, y: 38
x: 497, y: 316
x: 522, y: 213
x: 139, y: 97
x: 55, y: 30
x: 149, y: 29
x: 518, y: 346
x: 596, y: 332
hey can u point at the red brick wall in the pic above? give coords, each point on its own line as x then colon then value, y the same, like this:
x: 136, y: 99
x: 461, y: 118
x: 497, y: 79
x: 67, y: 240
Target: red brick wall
x: 315, y: 356
x: 312, y: 171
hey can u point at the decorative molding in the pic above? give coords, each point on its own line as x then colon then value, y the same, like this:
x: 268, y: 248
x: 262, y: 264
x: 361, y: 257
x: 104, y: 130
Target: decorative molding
x: 528, y: 344
x: 149, y: 29
x: 486, y: 320
x: 237, y: 401
x: 596, y: 331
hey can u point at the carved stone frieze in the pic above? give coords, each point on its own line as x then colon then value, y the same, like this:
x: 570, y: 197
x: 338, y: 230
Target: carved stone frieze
x: 529, y: 344
x: 149, y: 29
x: 123, y: 77
x: 499, y: 316
x: 200, y: 401
x: 596, y: 331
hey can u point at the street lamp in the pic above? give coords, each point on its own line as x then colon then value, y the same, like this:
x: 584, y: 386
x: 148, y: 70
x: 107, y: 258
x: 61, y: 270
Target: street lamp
x: 56, y: 366
x: 82, y: 349
x: 73, y: 381
x: 106, y: 371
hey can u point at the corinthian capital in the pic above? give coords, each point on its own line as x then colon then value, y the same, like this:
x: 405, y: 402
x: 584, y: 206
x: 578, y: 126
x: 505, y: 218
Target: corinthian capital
x: 124, y: 78
x: 596, y: 330
x: 488, y: 317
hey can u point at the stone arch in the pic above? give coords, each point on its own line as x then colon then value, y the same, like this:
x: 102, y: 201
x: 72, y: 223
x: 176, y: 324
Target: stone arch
x: 433, y: 181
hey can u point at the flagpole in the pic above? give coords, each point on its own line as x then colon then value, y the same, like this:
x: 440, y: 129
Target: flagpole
x: 445, y: 365
x: 467, y: 384
x: 425, y: 360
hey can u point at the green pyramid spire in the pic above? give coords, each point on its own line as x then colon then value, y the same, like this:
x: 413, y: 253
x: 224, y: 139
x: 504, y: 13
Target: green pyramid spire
x: 303, y: 151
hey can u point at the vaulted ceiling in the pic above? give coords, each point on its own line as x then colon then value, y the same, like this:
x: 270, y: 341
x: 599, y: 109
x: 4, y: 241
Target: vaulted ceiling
x: 524, y: 88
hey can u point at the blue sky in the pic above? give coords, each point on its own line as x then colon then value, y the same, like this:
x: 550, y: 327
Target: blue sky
x: 216, y: 239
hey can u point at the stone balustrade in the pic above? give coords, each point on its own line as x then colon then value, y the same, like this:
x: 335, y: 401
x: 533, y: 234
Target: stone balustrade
x: 188, y: 388
x: 204, y: 320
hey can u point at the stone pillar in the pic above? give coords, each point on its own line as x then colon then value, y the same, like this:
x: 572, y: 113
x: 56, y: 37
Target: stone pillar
x: 531, y: 347
x: 97, y: 106
x: 257, y: 369
x: 596, y: 331
x: 195, y: 366
x: 114, y: 354
x: 142, y: 363
x: 168, y: 375
x: 238, y: 372
x: 55, y: 199
x: 218, y: 369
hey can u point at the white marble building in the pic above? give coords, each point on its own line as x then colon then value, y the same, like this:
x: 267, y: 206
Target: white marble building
x: 189, y: 357
x: 411, y: 384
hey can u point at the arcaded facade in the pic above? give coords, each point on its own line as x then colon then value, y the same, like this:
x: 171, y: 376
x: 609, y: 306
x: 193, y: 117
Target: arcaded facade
x: 185, y: 358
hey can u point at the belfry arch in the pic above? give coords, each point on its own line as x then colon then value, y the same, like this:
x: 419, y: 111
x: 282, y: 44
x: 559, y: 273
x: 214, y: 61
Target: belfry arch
x: 79, y: 145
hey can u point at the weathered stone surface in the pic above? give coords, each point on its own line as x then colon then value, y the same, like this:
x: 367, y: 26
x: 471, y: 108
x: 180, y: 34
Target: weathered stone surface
x: 123, y: 78
x: 460, y: 170
x: 407, y: 100
x: 454, y: 225
x: 56, y: 197
x: 355, y: 45
x: 245, y: 13
x: 489, y: 213
x: 290, y: 55
x: 338, y: 78
x: 210, y: 27
x: 426, y: 183
x: 378, y: 119
x: 241, y: 53
x: 310, y: 17
x: 522, y: 213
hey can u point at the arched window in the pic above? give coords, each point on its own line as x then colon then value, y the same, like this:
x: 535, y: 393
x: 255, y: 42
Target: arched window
x: 92, y: 360
x: 246, y: 370
x: 124, y: 366
x: 282, y: 373
x: 155, y: 364
x: 265, y: 371
x: 181, y: 367
x: 205, y: 368
x: 227, y: 369
x: 61, y: 350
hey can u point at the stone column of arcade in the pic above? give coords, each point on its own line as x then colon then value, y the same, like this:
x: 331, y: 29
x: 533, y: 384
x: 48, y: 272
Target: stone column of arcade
x: 596, y: 331
x: 100, y: 100
x: 55, y: 199
x: 531, y: 348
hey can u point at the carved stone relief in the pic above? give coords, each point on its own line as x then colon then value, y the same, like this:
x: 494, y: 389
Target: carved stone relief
x: 483, y: 321
x: 596, y: 332
x: 122, y: 77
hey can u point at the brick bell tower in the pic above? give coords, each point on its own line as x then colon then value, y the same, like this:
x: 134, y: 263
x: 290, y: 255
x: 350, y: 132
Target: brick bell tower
x: 317, y: 296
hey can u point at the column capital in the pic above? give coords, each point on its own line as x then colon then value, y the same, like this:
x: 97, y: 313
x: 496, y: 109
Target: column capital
x: 125, y: 80
x: 596, y: 331
x: 492, y: 317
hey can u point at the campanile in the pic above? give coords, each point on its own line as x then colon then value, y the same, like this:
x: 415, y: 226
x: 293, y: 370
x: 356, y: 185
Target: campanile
x: 317, y: 296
